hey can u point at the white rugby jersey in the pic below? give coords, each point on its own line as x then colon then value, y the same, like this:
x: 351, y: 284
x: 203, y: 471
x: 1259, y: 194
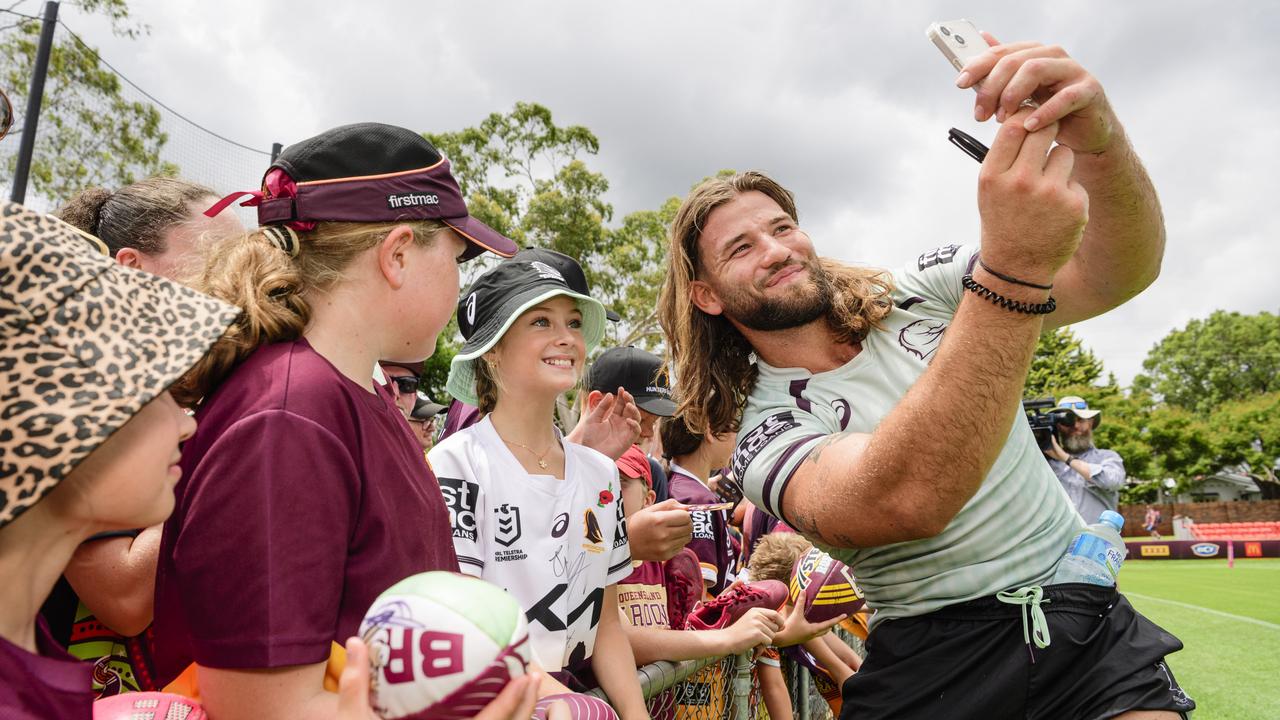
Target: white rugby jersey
x: 553, y: 544
x: 1011, y: 533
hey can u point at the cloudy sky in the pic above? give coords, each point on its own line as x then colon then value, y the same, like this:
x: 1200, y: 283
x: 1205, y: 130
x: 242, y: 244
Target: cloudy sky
x: 846, y: 103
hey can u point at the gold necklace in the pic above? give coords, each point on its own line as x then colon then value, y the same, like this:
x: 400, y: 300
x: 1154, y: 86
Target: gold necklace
x: 538, y: 455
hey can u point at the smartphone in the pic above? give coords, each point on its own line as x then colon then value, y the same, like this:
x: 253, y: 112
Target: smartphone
x: 959, y: 41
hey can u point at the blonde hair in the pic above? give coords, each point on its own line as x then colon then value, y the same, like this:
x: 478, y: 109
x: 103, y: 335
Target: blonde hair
x: 268, y: 285
x: 775, y: 555
x: 488, y: 385
x: 711, y: 359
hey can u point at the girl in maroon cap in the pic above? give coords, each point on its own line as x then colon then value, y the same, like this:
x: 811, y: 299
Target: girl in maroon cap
x: 304, y: 492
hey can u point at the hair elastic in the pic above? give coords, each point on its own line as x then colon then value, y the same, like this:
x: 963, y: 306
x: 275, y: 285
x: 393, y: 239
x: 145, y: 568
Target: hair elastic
x: 284, y: 238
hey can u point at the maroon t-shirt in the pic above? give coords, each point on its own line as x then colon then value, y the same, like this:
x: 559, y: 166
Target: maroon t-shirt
x: 51, y: 684
x: 303, y: 497
x: 710, y: 542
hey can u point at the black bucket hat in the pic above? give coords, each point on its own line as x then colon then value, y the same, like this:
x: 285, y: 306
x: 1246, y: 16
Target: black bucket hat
x: 498, y: 297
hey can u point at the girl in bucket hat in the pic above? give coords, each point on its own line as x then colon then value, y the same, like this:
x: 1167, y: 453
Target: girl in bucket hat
x: 305, y: 494
x: 523, y: 499
x: 88, y: 430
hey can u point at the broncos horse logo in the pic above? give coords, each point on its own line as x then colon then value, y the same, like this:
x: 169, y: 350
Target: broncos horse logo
x: 921, y: 337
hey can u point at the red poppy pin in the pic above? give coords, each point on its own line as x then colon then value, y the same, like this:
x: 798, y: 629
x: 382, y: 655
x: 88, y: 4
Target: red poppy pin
x: 606, y: 497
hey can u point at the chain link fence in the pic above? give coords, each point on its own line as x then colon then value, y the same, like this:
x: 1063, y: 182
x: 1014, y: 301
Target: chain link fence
x: 99, y: 128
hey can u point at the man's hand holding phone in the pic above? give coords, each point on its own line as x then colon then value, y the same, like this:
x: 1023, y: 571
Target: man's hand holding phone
x: 1006, y: 75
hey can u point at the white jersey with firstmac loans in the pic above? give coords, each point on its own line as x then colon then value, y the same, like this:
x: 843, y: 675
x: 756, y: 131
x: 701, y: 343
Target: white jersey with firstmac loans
x: 1011, y: 533
x: 553, y: 544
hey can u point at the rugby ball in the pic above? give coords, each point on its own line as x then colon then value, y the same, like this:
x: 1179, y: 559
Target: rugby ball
x: 147, y: 706
x: 442, y: 645
x: 825, y: 586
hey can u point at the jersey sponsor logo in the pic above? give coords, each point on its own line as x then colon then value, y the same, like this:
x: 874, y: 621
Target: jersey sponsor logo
x: 1205, y: 549
x: 620, y: 529
x: 756, y: 440
x: 940, y: 256
x: 921, y: 337
x: 508, y: 525
x: 702, y: 527
x: 461, y: 497
x: 592, y: 531
x: 560, y: 526
x: 543, y: 612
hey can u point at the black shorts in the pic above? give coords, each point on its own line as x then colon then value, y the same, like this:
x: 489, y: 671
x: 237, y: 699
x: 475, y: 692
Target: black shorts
x: 970, y: 661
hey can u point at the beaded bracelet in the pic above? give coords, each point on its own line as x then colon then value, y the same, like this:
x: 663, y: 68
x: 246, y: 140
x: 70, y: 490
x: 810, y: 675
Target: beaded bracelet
x: 987, y: 293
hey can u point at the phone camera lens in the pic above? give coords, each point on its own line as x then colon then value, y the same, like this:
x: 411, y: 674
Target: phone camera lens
x: 944, y: 30
x: 959, y: 39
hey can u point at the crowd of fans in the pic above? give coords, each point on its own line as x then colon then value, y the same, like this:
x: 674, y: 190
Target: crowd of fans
x: 215, y: 453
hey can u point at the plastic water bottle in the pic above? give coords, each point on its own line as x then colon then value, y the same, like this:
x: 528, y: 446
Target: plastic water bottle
x: 1094, y: 556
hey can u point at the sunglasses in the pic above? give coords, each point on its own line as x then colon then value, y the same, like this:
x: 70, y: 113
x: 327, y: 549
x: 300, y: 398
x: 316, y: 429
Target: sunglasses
x: 1078, y: 405
x: 406, y: 384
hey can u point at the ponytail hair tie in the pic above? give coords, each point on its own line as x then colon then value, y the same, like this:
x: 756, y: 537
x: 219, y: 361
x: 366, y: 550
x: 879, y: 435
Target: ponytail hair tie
x: 284, y: 238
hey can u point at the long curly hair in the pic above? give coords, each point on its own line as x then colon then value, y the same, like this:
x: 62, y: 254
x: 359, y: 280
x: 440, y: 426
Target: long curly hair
x: 250, y: 272
x: 712, y: 362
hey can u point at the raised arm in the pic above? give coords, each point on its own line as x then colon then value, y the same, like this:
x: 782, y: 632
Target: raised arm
x: 964, y: 404
x: 1123, y: 243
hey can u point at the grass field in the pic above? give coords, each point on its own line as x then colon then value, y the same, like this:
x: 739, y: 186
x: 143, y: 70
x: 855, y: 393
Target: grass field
x: 1229, y: 621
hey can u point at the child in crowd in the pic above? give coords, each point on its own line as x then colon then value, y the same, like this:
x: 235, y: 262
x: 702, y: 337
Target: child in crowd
x: 829, y: 659
x: 646, y: 595
x: 531, y: 511
x: 305, y: 494
x: 105, y: 599
x: 692, y: 459
x: 89, y: 441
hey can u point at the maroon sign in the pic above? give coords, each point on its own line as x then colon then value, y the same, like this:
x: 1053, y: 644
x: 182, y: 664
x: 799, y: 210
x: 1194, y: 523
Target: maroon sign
x: 1201, y: 549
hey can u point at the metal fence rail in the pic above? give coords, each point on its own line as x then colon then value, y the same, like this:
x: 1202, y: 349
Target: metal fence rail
x: 727, y: 688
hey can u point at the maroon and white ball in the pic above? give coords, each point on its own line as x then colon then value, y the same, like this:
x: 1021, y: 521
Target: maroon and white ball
x: 443, y: 645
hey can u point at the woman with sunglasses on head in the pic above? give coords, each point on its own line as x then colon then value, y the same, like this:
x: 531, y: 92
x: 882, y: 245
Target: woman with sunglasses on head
x: 532, y: 511
x: 89, y: 436
x: 305, y: 494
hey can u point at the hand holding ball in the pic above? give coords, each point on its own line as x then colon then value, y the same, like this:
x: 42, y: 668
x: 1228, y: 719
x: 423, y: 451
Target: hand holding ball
x: 443, y: 645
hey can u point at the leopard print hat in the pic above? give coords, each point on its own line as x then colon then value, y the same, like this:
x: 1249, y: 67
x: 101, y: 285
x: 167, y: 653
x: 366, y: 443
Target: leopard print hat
x: 84, y: 344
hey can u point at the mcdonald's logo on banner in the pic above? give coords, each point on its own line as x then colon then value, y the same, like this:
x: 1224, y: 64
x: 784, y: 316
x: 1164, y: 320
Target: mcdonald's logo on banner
x: 1253, y: 549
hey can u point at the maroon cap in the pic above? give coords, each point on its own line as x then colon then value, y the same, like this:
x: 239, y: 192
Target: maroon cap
x: 367, y: 172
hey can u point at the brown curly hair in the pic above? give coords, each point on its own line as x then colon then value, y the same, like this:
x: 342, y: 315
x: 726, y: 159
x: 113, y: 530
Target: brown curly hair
x: 711, y: 359
x: 253, y: 274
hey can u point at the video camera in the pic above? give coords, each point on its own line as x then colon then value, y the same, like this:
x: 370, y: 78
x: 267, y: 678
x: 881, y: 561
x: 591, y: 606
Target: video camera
x: 1044, y: 415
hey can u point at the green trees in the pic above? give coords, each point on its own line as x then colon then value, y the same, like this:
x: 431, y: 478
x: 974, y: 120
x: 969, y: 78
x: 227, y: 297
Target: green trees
x: 90, y: 133
x: 1225, y: 357
x: 1060, y: 360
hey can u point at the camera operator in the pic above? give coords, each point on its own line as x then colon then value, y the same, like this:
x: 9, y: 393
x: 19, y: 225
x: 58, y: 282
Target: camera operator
x: 1091, y: 476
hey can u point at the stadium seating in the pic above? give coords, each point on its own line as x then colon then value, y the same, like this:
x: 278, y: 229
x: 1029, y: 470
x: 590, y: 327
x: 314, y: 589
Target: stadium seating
x: 1237, y: 531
